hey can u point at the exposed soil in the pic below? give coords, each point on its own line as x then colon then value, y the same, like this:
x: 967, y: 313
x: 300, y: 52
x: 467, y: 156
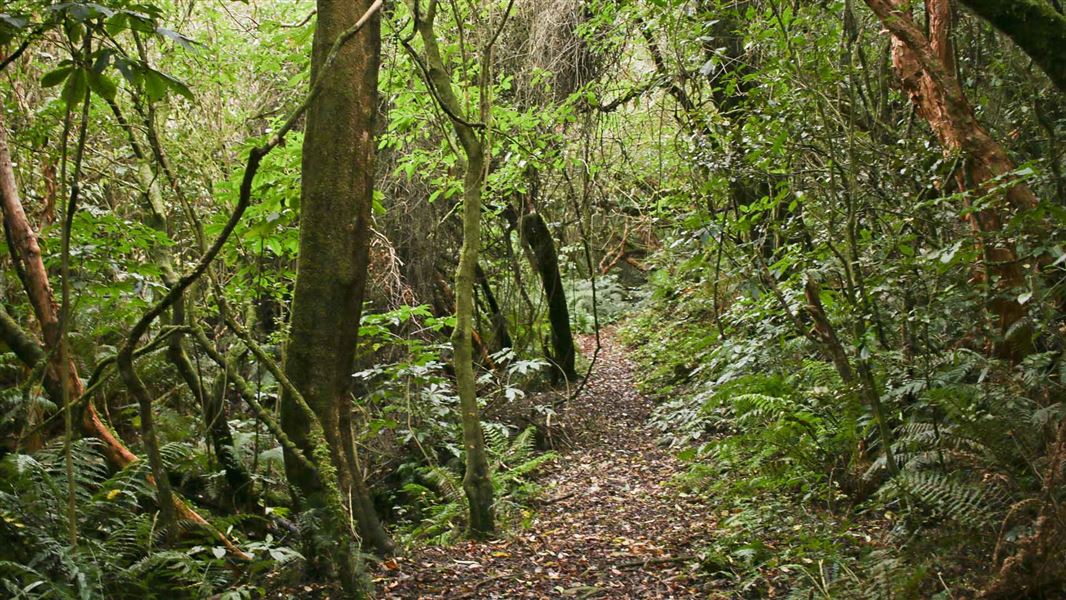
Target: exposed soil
x: 609, y: 524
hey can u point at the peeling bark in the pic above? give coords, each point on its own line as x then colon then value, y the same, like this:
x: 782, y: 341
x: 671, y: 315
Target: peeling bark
x: 926, y: 72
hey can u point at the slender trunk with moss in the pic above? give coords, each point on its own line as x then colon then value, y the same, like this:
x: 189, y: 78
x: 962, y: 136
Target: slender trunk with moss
x: 477, y: 481
x: 336, y: 192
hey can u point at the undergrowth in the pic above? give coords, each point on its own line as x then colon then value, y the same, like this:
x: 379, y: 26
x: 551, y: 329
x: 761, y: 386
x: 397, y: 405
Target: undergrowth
x: 789, y: 454
x: 119, y: 552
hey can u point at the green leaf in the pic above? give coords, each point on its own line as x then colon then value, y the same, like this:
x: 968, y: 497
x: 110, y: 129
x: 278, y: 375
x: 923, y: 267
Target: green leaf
x: 56, y: 77
x: 183, y: 41
x: 155, y: 85
x: 102, y: 85
x: 117, y: 24
x: 76, y: 87
x: 14, y: 21
x: 179, y: 86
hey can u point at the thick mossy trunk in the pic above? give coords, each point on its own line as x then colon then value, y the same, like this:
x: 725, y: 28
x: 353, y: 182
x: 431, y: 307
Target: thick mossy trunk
x: 546, y: 261
x: 1035, y: 26
x: 336, y: 192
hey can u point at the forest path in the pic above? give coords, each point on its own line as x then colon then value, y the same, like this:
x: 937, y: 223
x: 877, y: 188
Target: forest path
x: 608, y: 524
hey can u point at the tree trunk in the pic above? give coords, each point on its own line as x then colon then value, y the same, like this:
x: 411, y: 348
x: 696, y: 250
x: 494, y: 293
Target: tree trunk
x: 336, y: 190
x: 1037, y: 28
x: 824, y: 333
x: 477, y: 482
x: 927, y: 75
x: 501, y: 337
x: 546, y: 262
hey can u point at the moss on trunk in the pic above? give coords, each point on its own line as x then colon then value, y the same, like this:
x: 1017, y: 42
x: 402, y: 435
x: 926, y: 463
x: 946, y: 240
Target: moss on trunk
x: 1037, y: 28
x: 336, y: 193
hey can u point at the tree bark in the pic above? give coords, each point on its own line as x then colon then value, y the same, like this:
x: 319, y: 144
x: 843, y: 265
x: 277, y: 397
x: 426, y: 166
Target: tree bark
x: 336, y: 191
x: 546, y: 262
x: 825, y: 333
x: 477, y: 482
x: 1037, y: 28
x: 926, y: 72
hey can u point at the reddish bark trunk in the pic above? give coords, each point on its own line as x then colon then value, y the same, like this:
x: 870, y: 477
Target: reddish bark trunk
x: 27, y: 252
x: 925, y: 66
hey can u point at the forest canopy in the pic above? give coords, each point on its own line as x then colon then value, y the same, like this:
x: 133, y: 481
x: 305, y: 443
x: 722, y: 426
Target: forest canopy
x: 533, y: 298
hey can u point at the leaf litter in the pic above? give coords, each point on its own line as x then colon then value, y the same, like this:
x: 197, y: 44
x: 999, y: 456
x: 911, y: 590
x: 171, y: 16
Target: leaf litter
x: 608, y: 524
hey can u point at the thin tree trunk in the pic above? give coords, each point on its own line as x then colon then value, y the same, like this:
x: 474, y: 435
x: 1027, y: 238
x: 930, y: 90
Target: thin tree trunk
x: 212, y: 408
x: 501, y: 337
x: 826, y: 334
x: 477, y: 482
x: 546, y: 262
x: 26, y: 252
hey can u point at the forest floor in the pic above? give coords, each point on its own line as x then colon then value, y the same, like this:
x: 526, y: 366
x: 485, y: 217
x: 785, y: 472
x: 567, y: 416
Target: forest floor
x: 608, y: 524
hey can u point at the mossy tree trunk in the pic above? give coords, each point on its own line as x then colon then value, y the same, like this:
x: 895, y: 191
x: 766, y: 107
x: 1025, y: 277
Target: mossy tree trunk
x: 473, y: 137
x: 336, y: 195
x: 1035, y: 26
x: 545, y: 260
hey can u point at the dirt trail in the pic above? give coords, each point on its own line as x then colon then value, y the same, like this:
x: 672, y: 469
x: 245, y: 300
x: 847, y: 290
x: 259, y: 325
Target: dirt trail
x: 608, y: 525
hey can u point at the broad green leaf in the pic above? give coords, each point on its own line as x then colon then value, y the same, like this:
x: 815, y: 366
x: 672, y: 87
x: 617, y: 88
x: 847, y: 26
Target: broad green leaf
x: 56, y: 77
x: 102, y: 85
x: 76, y: 87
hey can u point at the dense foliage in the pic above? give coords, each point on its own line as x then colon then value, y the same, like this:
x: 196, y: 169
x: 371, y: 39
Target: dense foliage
x: 832, y: 234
